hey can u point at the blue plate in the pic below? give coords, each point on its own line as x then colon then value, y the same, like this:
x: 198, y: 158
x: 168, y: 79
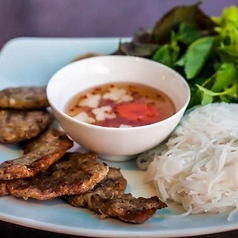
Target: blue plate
x: 32, y: 61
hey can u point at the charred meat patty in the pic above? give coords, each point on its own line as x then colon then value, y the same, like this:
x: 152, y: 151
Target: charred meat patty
x: 74, y: 173
x: 16, y: 126
x: 112, y: 185
x: 126, y: 207
x: 108, y: 198
x: 39, y: 155
x: 23, y: 98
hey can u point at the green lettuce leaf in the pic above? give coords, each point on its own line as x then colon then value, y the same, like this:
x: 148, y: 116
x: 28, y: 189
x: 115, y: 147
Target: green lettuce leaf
x: 197, y: 55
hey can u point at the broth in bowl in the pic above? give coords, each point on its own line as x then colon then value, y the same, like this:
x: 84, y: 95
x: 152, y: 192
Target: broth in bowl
x: 121, y: 105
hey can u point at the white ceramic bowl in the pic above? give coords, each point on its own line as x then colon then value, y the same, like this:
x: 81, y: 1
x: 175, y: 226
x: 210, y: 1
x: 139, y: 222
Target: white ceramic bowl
x: 116, y: 144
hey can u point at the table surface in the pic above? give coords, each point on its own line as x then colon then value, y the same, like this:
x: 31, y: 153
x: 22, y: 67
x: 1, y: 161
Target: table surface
x: 8, y: 230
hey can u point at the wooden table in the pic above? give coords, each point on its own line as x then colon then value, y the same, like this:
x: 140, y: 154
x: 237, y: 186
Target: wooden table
x: 8, y: 230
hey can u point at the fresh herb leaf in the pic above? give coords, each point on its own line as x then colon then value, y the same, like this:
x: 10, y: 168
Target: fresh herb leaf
x: 226, y: 75
x: 208, y: 96
x: 168, y: 53
x: 227, y: 28
x: 187, y: 33
x: 197, y: 55
x: 203, y: 49
x: 171, y: 21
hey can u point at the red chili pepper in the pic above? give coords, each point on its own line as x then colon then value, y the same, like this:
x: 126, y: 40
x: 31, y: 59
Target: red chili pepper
x: 84, y: 96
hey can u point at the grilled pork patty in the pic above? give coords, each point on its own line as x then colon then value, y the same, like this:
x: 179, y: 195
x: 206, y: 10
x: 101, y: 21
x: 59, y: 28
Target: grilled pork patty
x: 16, y: 125
x: 24, y: 98
x: 112, y: 185
x: 108, y: 199
x: 74, y: 173
x: 126, y: 207
x: 40, y: 153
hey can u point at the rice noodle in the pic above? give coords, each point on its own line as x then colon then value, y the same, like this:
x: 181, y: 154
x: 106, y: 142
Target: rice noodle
x: 197, y: 166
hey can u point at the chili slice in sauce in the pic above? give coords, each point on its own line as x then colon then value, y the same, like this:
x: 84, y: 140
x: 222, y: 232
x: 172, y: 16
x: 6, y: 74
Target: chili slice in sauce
x: 138, y: 111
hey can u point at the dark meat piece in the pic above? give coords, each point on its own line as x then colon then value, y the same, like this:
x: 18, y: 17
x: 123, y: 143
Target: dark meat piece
x: 74, y: 173
x: 16, y: 126
x: 24, y: 98
x: 52, y: 139
x: 112, y: 185
x: 108, y: 199
x: 126, y: 207
x: 40, y: 153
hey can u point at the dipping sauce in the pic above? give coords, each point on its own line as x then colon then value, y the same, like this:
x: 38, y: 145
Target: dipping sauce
x: 121, y: 105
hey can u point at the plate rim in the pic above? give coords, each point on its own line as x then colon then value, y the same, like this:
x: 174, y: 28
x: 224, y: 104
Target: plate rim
x: 81, y: 231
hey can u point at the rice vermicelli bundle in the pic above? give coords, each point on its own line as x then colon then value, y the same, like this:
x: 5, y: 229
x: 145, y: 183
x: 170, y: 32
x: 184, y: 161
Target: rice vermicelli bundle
x: 197, y: 166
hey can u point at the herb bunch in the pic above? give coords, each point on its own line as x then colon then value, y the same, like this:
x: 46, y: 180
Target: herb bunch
x: 203, y: 49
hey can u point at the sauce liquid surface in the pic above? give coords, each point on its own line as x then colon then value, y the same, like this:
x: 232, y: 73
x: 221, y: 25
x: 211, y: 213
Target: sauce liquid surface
x: 121, y: 105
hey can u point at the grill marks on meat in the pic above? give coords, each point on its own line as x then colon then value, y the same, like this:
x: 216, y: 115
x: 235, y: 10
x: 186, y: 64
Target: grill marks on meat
x: 51, y: 139
x: 23, y: 113
x: 84, y: 182
x: 39, y: 154
x: 24, y: 98
x: 109, y: 200
x: 74, y: 173
x: 112, y: 185
x: 126, y: 207
x: 16, y: 125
